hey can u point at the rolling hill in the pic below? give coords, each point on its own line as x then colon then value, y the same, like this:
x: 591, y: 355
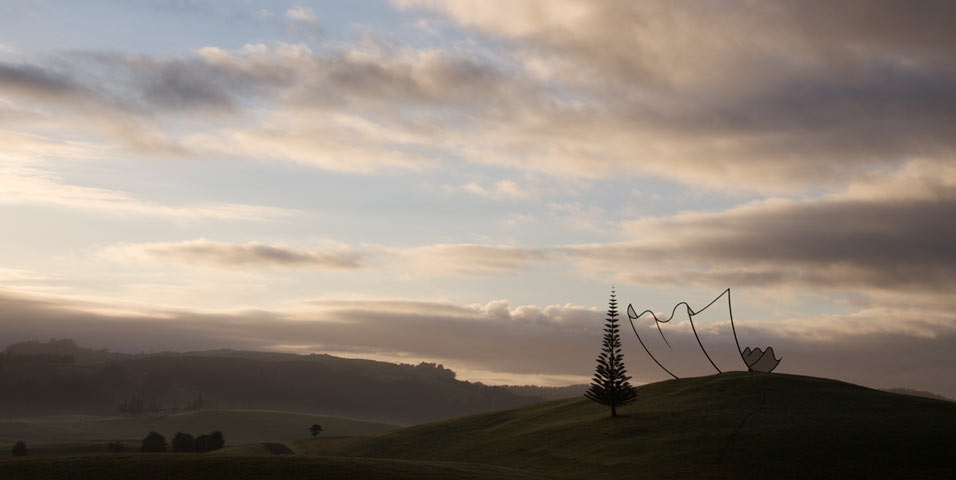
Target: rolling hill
x: 58, y: 377
x: 733, y: 425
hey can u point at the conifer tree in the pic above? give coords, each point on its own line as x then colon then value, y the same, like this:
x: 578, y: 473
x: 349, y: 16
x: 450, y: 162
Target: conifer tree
x: 610, y: 385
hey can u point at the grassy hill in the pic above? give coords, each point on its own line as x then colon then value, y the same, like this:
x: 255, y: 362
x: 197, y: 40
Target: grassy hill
x: 732, y: 425
x: 76, y: 433
x: 37, y: 379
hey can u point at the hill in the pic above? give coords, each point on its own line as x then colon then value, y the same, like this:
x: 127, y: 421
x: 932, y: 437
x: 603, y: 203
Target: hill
x: 47, y: 379
x: 733, y: 425
x: 49, y: 434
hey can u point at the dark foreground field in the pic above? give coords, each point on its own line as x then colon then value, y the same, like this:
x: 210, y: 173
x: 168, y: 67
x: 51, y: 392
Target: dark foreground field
x: 170, y: 466
x: 734, y: 425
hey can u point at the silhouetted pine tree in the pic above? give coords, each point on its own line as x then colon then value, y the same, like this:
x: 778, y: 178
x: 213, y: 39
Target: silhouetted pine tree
x: 610, y: 384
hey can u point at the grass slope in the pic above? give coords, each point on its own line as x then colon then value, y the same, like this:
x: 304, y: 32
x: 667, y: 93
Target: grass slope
x: 736, y: 425
x: 75, y: 434
x: 179, y: 466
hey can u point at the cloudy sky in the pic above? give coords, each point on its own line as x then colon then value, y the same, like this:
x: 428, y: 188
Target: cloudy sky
x: 464, y: 181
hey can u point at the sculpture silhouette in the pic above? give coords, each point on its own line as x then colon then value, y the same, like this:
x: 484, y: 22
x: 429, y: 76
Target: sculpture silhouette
x: 756, y: 359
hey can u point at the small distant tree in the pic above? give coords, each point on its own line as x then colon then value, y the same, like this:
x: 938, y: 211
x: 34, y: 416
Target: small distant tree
x: 216, y: 441
x: 153, y: 442
x: 19, y: 449
x: 184, y: 442
x: 315, y: 430
x: 210, y: 443
x: 610, y: 385
x: 115, y: 446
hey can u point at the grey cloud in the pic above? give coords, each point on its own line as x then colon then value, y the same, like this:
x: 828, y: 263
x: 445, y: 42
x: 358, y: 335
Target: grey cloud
x: 438, y: 259
x: 34, y: 81
x: 173, y: 87
x: 645, y: 42
x: 748, y: 95
x: 217, y: 80
x: 883, y: 244
x: 755, y: 96
x: 224, y: 255
x: 136, y: 98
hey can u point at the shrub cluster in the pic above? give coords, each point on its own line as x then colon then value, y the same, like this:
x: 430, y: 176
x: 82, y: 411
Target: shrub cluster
x: 153, y: 442
x: 184, y: 442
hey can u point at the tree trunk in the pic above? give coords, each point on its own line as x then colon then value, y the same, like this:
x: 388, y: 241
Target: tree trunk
x: 613, y: 410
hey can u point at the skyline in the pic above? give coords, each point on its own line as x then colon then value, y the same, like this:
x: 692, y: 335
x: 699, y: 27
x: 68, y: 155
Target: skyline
x: 462, y: 182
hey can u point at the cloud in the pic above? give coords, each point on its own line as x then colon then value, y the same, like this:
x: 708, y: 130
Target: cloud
x: 33, y: 81
x: 688, y: 94
x: 441, y: 260
x: 32, y: 186
x: 502, y: 190
x: 208, y: 253
x: 865, y: 238
x: 452, y: 259
x: 810, y: 106
x: 335, y: 109
x: 302, y: 14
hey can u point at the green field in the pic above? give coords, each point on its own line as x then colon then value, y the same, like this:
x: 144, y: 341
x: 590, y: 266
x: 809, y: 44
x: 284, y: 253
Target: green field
x: 55, y: 435
x: 733, y: 425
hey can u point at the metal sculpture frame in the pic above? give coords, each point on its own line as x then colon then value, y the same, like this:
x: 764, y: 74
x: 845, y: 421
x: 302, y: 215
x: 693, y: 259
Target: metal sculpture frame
x: 632, y: 315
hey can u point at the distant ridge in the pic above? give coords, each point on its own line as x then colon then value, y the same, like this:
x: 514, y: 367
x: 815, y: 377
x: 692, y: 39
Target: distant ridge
x: 918, y: 393
x: 99, y: 381
x: 548, y: 393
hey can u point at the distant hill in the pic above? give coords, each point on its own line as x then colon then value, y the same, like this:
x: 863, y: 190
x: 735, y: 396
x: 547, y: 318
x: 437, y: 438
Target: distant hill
x: 323, y: 384
x: 918, y: 393
x: 40, y: 351
x: 732, y: 425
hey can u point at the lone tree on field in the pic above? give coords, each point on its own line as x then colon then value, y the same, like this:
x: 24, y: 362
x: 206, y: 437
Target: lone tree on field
x: 19, y: 449
x: 315, y: 430
x: 610, y: 384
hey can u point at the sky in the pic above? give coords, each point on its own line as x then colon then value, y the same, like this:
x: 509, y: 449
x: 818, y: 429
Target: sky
x: 463, y: 182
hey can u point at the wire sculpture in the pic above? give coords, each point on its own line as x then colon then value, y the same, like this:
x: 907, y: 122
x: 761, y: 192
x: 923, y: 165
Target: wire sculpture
x: 755, y: 359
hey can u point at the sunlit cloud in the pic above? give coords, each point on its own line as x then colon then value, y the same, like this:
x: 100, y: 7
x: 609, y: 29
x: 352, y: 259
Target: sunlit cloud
x: 502, y: 190
x: 302, y: 14
x: 30, y: 186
